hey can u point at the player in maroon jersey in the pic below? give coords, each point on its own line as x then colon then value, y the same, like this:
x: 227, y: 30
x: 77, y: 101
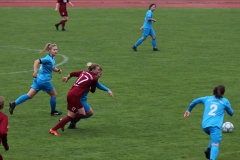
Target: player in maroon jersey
x: 86, y: 79
x: 62, y: 7
x: 3, y: 127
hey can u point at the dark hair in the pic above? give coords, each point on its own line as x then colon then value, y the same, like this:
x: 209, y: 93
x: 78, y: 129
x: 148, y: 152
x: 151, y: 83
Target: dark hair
x: 151, y: 5
x: 218, y: 91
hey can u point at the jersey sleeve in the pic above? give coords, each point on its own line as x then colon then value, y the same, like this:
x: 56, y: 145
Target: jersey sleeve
x: 229, y: 108
x: 102, y: 87
x: 44, y: 60
x: 93, y: 87
x: 75, y: 74
x: 195, y: 102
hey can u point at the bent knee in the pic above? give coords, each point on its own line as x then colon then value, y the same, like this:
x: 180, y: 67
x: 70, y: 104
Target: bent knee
x: 215, y: 144
x: 154, y: 37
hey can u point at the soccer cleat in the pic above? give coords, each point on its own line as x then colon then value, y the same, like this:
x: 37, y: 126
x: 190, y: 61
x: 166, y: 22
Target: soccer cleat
x: 64, y: 30
x: 155, y: 49
x: 72, y: 126
x: 56, y: 25
x: 207, y: 153
x: 56, y: 113
x: 134, y: 48
x: 12, y: 106
x: 55, y: 133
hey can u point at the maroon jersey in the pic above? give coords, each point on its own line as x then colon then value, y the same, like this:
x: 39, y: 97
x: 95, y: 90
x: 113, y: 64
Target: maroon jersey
x: 62, y: 3
x: 86, y: 80
x: 3, y: 123
x: 4, y: 130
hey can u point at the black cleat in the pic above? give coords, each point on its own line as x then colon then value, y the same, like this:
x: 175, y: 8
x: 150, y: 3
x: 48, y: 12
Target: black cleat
x: 64, y: 30
x: 155, y: 49
x: 12, y: 106
x: 134, y: 48
x: 56, y: 25
x: 207, y: 153
x: 72, y: 126
x: 55, y: 113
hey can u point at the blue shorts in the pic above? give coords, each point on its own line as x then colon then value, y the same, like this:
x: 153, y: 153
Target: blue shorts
x: 148, y: 32
x: 215, y: 134
x: 85, y: 106
x: 45, y: 86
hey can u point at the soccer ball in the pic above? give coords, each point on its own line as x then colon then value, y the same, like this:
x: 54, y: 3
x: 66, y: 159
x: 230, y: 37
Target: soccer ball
x: 227, y: 127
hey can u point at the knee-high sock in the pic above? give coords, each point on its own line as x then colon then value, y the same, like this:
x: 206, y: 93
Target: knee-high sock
x: 53, y: 102
x: 21, y: 99
x: 214, y: 152
x: 62, y: 123
x: 138, y: 42
x: 154, y: 43
x: 63, y: 23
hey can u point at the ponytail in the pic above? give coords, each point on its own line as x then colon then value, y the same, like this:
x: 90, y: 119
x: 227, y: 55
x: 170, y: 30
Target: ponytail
x: 219, y: 91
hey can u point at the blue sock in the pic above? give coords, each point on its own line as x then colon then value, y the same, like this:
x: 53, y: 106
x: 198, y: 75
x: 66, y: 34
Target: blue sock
x: 21, y: 99
x: 154, y: 43
x: 214, y: 152
x: 53, y: 102
x: 138, y: 42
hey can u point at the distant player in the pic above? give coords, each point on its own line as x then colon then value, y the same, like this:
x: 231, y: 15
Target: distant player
x: 86, y: 79
x: 3, y: 127
x: 61, y: 5
x: 42, y: 79
x: 147, y: 29
x: 214, y: 107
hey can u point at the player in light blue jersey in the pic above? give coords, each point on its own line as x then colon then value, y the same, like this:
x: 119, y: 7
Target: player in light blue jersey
x: 147, y: 29
x: 42, y: 79
x: 87, y: 108
x: 213, y: 115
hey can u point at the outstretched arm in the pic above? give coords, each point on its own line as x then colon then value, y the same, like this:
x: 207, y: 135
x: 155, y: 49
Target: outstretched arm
x: 70, y: 3
x: 104, y: 88
x: 57, y: 7
x: 35, y: 68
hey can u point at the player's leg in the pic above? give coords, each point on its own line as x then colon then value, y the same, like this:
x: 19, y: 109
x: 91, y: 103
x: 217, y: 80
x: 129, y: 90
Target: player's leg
x: 216, y: 137
x: 154, y: 41
x: 208, y: 150
x: 89, y: 113
x: 145, y: 34
x: 31, y: 93
x: 64, y: 15
x: 49, y: 89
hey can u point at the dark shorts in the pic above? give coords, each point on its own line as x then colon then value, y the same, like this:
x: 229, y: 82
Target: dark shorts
x: 63, y: 12
x: 73, y: 103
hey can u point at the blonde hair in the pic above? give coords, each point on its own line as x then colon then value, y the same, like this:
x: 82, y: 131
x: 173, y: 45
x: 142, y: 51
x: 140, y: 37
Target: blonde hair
x: 92, y: 66
x: 1, y: 102
x: 48, y: 47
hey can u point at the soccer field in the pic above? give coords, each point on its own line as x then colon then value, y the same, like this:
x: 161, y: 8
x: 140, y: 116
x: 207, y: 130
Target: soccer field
x: 199, y: 50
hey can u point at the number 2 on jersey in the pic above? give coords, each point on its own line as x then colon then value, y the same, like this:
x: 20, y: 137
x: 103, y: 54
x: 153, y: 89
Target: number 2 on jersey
x: 213, y: 108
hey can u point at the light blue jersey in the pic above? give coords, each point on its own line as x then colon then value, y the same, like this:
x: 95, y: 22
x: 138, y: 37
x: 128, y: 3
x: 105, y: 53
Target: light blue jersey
x: 147, y: 23
x: 45, y: 70
x: 213, y: 110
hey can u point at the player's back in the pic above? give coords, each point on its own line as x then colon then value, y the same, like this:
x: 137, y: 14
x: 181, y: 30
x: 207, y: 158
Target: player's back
x: 83, y: 83
x: 214, y: 109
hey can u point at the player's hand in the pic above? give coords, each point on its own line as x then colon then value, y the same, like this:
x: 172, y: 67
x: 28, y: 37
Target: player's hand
x: 64, y: 79
x: 141, y: 28
x: 35, y: 75
x: 187, y: 114
x: 60, y: 71
x: 111, y: 94
x: 154, y: 20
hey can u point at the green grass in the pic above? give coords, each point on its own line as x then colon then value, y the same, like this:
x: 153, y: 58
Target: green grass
x: 199, y: 50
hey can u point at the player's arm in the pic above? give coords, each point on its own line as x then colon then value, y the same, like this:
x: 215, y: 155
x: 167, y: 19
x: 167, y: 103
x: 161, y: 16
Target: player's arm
x: 93, y: 87
x: 192, y: 105
x: 229, y: 109
x: 104, y: 88
x: 70, y: 3
x: 35, y: 67
x: 151, y: 19
x: 72, y: 74
x: 55, y: 69
x: 57, y: 6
